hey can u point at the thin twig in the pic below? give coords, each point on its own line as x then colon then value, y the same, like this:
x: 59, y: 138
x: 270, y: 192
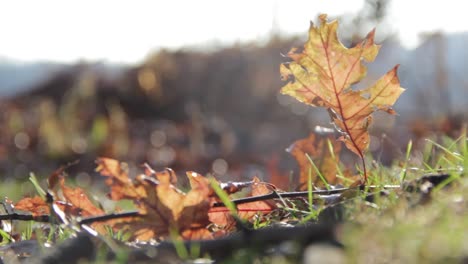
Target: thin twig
x: 103, y: 218
x: 25, y: 217
x: 87, y: 220
x: 274, y: 195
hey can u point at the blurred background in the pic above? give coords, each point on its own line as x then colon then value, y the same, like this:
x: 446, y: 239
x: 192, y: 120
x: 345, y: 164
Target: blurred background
x: 193, y: 85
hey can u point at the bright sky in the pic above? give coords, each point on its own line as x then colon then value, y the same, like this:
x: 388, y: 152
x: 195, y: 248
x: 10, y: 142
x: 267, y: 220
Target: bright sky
x: 126, y: 31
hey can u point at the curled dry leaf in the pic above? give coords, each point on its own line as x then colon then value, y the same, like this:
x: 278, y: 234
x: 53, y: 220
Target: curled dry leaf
x: 278, y: 178
x: 317, y: 149
x: 161, y: 205
x: 70, y: 202
x: 35, y: 205
x: 322, y: 74
x: 222, y: 217
x: 247, y: 210
x: 78, y: 198
x: 54, y: 177
x: 82, y: 206
x: 121, y: 185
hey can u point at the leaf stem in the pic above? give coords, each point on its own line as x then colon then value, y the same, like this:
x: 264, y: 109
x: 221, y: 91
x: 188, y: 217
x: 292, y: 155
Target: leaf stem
x: 364, y: 168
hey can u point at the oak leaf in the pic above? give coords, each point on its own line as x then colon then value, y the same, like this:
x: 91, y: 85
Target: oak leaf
x: 81, y: 205
x: 162, y: 207
x: 122, y: 187
x: 78, y: 198
x: 322, y: 74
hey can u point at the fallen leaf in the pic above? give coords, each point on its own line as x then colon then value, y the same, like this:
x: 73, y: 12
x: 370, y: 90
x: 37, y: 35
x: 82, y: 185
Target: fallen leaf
x: 35, y: 205
x: 122, y: 187
x: 78, y: 198
x: 222, y: 217
x: 161, y: 205
x: 248, y: 210
x: 277, y: 177
x: 317, y: 149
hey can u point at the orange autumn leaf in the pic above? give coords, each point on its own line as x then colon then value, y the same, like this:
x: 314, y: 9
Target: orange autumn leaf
x: 161, y: 205
x: 79, y: 204
x: 55, y: 177
x: 278, y: 178
x: 39, y: 207
x: 322, y: 73
x: 167, y: 208
x: 121, y: 185
x: 78, y: 198
x: 316, y: 148
x: 198, y: 201
x: 68, y: 202
x: 222, y: 217
x: 71, y: 202
x: 36, y: 205
x: 247, y: 210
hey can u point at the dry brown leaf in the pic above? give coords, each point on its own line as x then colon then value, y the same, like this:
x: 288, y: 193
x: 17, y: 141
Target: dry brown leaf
x: 317, y: 149
x: 163, y: 209
x: 73, y: 203
x: 278, y: 178
x: 248, y: 210
x: 35, y: 205
x: 222, y: 217
x: 78, y: 198
x: 81, y: 205
x: 161, y: 205
x: 121, y: 185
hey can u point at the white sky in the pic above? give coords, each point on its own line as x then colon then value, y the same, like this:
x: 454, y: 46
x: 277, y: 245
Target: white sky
x: 126, y: 31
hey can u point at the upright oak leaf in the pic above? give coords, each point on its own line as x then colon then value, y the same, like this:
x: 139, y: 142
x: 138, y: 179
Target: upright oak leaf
x: 322, y: 75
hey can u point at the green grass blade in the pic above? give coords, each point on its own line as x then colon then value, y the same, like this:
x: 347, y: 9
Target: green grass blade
x: 405, y: 165
x: 332, y: 153
x: 310, y: 194
x: 448, y: 151
x: 179, y: 246
x: 224, y: 197
x: 5, y: 236
x: 37, y: 186
x: 318, y: 172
